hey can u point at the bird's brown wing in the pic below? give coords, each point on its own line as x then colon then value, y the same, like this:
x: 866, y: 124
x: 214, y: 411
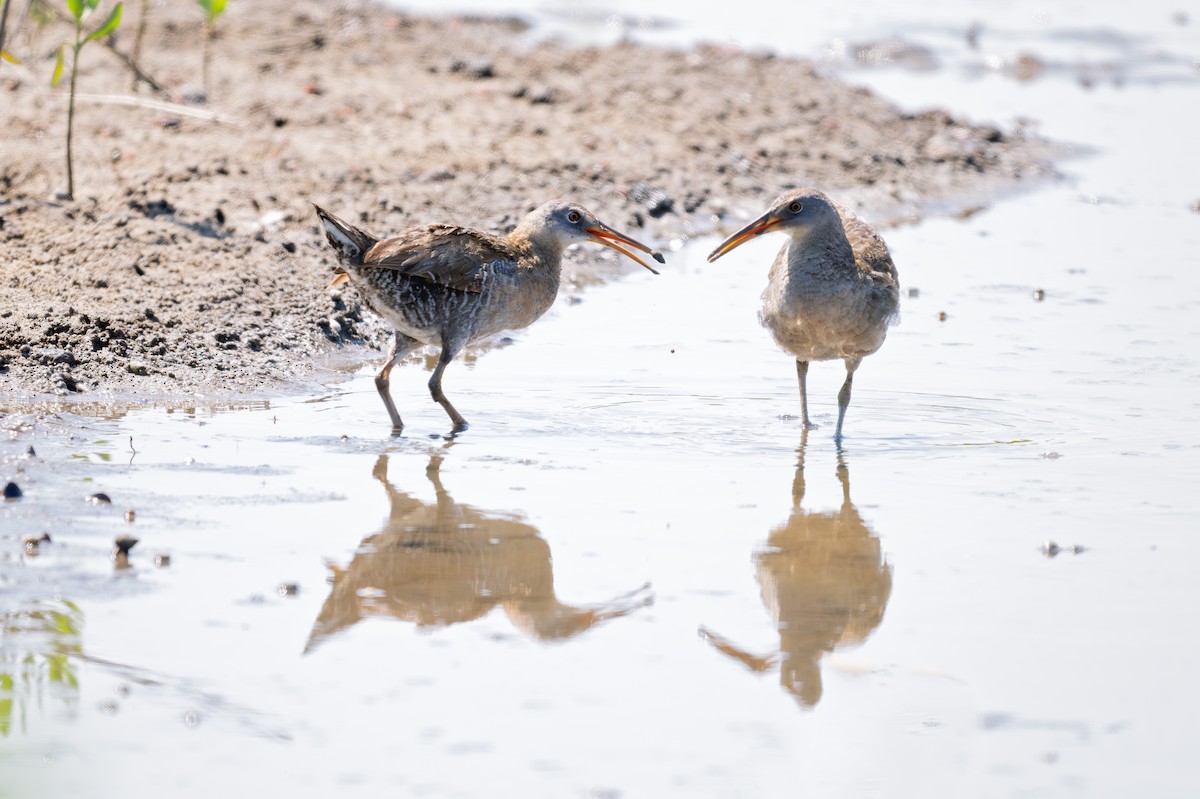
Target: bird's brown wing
x: 870, y: 251
x: 455, y: 257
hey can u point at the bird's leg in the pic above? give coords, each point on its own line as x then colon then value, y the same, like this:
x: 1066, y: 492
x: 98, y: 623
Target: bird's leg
x: 802, y: 373
x: 401, y: 346
x: 435, y: 386
x: 844, y: 396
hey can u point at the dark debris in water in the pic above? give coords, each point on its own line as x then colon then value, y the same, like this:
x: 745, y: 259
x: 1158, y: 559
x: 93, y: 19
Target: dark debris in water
x: 32, y: 543
x: 12, y: 491
x: 1051, y: 549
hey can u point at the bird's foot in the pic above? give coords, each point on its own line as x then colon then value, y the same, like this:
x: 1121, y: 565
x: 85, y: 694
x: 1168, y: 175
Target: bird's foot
x: 459, y: 428
x: 809, y: 424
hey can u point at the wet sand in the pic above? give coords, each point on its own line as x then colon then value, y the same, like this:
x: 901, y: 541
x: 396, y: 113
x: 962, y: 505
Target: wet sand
x: 189, y: 263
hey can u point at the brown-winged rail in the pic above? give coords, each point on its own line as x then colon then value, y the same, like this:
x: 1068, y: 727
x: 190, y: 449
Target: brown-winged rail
x: 451, y: 286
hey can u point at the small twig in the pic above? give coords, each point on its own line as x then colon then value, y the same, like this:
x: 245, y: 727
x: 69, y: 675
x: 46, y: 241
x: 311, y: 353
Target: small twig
x: 138, y: 74
x: 160, y: 105
x: 153, y: 105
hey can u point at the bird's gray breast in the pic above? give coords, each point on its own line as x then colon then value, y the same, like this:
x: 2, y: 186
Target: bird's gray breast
x: 818, y: 308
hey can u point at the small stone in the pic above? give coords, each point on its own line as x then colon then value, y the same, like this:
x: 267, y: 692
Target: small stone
x: 162, y: 560
x: 1050, y: 549
x: 100, y: 498
x: 1039, y: 295
x: 942, y: 316
x: 288, y: 589
x: 12, y: 491
x: 130, y: 515
x: 913, y: 293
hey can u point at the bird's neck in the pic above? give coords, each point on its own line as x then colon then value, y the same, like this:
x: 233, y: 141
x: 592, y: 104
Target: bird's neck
x: 540, y: 253
x: 823, y: 247
x: 540, y: 260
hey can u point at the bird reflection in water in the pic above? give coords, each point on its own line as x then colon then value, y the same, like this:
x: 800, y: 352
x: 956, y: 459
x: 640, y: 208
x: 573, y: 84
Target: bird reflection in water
x: 825, y: 582
x: 440, y: 563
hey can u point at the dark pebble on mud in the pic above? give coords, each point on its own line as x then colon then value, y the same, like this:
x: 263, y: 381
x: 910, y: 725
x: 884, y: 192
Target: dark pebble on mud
x: 162, y: 560
x: 288, y: 589
x: 942, y: 316
x: 1039, y: 295
x: 100, y: 499
x: 12, y: 491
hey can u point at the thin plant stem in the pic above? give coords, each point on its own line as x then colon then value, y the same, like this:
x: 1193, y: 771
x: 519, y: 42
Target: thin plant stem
x: 71, y: 116
x: 136, y: 57
x: 208, y: 35
x: 4, y: 22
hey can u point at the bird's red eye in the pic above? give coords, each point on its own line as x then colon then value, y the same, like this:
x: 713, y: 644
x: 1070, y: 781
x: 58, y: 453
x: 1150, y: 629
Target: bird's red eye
x: 795, y: 208
x: 573, y: 217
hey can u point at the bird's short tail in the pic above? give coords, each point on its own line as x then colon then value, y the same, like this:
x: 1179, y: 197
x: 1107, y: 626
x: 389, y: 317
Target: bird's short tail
x: 350, y: 243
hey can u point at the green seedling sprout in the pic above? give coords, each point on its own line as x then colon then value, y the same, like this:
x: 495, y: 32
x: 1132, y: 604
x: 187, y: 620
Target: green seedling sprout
x: 80, y: 10
x: 212, y: 10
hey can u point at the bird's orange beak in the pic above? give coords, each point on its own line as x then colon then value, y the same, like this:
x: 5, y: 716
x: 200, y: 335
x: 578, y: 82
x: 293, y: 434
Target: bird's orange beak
x: 755, y: 228
x: 603, y: 234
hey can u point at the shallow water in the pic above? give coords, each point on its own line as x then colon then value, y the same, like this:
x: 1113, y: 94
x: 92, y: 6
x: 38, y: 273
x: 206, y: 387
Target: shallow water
x: 631, y: 577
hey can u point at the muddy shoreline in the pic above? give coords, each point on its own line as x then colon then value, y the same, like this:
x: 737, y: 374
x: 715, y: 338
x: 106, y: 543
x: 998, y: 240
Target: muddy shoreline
x: 189, y: 263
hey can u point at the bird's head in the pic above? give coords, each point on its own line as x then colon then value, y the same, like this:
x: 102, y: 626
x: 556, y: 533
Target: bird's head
x: 795, y: 212
x: 564, y: 224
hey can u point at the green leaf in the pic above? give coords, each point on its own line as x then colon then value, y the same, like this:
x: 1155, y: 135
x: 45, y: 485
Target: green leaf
x: 212, y: 8
x: 76, y: 7
x: 58, y: 66
x: 110, y: 25
x: 9, y: 57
